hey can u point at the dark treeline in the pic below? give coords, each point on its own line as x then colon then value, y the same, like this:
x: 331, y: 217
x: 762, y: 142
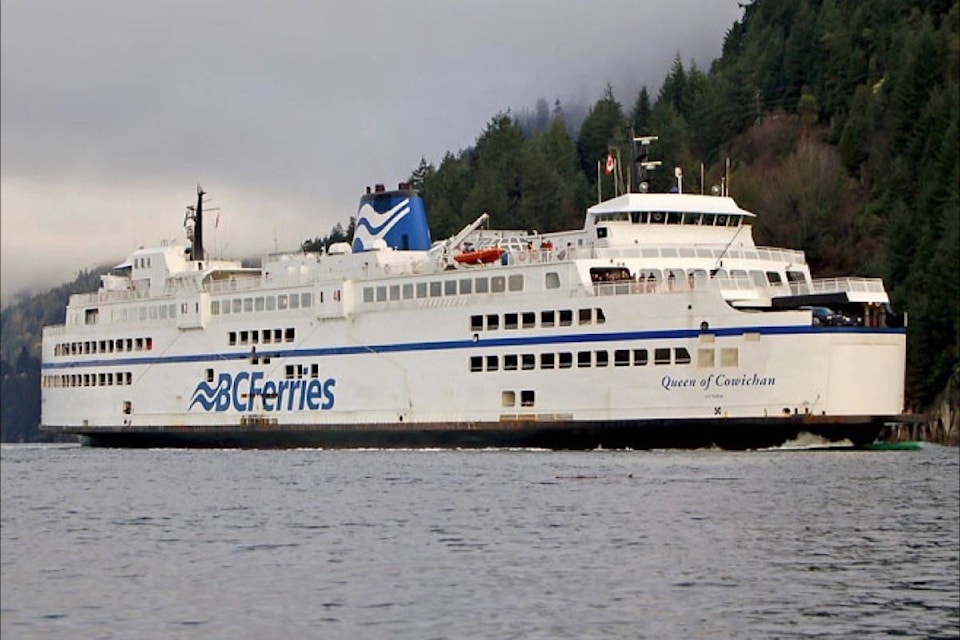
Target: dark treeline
x: 840, y: 122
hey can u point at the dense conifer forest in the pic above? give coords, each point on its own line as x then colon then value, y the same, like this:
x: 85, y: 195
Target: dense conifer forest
x: 839, y: 121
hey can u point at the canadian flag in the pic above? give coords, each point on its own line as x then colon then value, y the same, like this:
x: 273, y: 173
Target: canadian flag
x: 610, y: 162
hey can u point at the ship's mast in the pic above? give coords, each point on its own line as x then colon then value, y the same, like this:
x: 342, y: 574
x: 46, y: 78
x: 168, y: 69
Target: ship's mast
x: 640, y: 163
x: 195, y: 232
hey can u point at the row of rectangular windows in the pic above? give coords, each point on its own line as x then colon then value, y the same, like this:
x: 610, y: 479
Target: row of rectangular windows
x: 706, y: 358
x: 142, y: 313
x: 281, y: 302
x: 448, y: 287
x: 112, y: 345
x: 290, y: 372
x: 565, y: 360
x: 265, y: 336
x: 528, y: 319
x: 110, y: 379
x: 673, y: 217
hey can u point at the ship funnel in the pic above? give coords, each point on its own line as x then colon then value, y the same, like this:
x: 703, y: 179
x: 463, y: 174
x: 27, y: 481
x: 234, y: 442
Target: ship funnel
x: 399, y: 218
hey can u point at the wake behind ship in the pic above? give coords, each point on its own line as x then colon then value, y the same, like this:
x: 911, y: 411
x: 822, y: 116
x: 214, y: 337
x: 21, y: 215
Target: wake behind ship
x: 658, y: 324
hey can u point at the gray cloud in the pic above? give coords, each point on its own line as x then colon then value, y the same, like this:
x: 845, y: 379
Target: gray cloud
x: 112, y: 111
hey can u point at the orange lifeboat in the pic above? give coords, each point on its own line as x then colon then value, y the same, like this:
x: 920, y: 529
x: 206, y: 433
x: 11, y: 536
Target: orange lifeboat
x: 480, y: 256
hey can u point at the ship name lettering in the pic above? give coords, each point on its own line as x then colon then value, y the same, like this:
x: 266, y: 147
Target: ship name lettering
x: 708, y: 382
x: 669, y: 383
x: 745, y: 380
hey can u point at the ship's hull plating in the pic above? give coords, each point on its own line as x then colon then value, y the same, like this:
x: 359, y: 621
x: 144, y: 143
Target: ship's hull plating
x: 727, y: 433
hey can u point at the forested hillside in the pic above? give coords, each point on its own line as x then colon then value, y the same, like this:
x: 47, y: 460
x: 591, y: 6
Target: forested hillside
x: 839, y: 120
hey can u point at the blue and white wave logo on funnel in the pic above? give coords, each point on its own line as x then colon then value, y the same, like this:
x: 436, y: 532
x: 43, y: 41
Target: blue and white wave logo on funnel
x: 396, y: 217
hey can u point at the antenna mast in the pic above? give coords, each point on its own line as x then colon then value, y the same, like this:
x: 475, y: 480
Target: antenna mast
x: 197, y: 249
x: 639, y: 180
x: 195, y: 231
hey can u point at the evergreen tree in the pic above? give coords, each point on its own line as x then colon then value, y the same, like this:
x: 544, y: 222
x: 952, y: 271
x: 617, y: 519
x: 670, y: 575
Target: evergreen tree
x: 602, y: 129
x: 640, y: 115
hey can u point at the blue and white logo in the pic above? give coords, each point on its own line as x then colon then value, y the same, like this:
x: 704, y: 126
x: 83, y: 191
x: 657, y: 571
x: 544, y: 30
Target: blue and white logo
x: 247, y: 391
x: 397, y: 219
x: 372, y: 224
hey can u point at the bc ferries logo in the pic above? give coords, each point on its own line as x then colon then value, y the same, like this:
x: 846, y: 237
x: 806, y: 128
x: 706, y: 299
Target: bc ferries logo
x: 372, y: 224
x: 248, y: 391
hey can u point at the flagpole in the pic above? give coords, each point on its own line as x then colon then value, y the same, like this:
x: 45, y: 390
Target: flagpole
x: 599, y: 198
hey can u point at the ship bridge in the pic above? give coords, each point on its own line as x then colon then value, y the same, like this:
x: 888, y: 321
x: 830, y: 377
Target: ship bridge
x: 667, y: 218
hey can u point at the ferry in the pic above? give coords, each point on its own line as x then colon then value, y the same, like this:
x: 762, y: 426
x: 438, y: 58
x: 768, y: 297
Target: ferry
x: 658, y: 324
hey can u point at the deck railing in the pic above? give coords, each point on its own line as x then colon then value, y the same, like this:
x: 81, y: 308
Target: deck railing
x: 562, y: 254
x: 848, y: 285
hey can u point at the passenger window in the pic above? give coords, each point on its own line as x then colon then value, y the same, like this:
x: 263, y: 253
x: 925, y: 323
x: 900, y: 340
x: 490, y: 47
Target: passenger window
x: 527, y: 398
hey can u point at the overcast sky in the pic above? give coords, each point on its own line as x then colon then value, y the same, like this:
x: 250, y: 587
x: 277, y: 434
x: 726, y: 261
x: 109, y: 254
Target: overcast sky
x: 112, y: 111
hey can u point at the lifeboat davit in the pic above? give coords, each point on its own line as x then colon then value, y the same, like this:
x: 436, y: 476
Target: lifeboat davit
x: 480, y: 256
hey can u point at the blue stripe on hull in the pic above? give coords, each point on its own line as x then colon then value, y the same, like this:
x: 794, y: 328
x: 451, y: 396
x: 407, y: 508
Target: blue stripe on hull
x: 529, y: 341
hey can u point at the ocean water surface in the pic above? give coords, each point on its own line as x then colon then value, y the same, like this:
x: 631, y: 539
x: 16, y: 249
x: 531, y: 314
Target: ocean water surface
x: 100, y: 543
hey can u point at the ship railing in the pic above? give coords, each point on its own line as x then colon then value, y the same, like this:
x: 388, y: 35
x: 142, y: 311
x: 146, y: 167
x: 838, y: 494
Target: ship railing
x: 247, y: 284
x: 107, y: 295
x: 732, y: 288
x: 716, y: 252
x: 231, y: 284
x: 848, y: 285
x: 641, y: 287
x: 54, y: 330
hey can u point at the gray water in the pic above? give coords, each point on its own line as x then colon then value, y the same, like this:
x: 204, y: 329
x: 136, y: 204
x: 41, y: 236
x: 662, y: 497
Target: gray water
x: 491, y: 544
